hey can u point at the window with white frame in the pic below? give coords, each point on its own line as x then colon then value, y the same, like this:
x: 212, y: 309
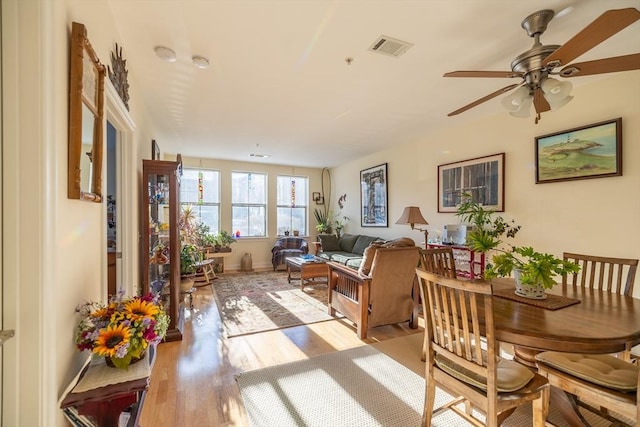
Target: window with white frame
x: 292, y: 204
x: 249, y: 204
x: 200, y: 189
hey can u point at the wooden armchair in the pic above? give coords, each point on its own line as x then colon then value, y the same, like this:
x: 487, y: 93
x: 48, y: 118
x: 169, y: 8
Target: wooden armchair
x: 455, y: 311
x: 615, y: 275
x: 385, y: 296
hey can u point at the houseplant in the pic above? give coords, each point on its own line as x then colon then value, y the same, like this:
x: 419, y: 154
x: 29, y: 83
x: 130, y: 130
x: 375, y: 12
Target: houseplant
x: 534, y: 271
x: 122, y: 329
x: 224, y: 239
x: 323, y: 222
x: 189, y: 256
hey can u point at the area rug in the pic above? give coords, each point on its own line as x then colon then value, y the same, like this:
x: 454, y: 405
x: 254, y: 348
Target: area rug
x: 262, y: 301
x: 357, y: 387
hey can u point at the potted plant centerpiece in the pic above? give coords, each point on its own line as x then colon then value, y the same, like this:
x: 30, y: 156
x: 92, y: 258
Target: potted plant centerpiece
x: 323, y: 223
x: 533, y: 271
x: 189, y: 256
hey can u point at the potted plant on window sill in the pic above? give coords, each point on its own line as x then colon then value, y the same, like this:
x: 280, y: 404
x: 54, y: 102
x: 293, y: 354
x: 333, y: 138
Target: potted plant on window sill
x: 533, y: 271
x: 225, y: 240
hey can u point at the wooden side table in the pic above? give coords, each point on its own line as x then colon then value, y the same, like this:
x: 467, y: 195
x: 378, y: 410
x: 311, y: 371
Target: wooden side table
x: 102, y: 393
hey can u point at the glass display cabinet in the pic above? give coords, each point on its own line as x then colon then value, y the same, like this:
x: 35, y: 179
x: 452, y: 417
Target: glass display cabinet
x: 160, y: 267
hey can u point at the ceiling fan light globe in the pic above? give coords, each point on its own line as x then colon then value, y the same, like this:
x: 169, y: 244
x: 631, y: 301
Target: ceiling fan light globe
x: 555, y: 88
x: 515, y: 101
x: 556, y: 104
x: 525, y: 109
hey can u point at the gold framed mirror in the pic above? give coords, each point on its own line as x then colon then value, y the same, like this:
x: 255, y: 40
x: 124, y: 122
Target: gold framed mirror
x: 86, y: 118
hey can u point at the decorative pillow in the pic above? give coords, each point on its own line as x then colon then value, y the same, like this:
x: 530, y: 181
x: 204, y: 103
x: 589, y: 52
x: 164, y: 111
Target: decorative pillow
x: 347, y: 241
x: 362, y: 243
x: 367, y: 258
x: 399, y: 243
x: 329, y: 242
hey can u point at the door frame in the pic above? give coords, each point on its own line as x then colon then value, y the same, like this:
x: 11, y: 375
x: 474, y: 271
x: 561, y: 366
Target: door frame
x: 126, y: 178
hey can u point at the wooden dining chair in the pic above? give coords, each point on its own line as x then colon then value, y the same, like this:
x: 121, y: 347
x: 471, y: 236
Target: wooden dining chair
x: 457, y: 314
x: 615, y: 275
x: 604, y: 380
x: 439, y: 261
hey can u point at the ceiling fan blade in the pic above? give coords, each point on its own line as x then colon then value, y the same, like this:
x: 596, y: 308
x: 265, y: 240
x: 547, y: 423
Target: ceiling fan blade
x: 605, y: 26
x: 601, y: 66
x: 483, y: 99
x: 498, y: 74
x: 539, y: 101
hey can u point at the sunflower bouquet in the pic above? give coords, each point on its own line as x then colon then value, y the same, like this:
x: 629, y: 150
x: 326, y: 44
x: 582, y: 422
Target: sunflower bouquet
x: 123, y: 329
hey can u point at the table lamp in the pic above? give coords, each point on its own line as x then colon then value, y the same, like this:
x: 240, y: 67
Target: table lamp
x: 412, y: 216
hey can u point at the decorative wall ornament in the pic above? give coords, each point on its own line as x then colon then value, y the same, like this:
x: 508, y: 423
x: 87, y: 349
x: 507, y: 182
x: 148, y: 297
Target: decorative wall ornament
x: 119, y: 75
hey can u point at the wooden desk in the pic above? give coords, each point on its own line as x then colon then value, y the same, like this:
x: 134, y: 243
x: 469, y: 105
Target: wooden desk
x: 94, y: 396
x: 600, y: 323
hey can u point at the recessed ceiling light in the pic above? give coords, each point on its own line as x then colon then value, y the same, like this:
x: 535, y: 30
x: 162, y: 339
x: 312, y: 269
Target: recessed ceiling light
x: 165, y: 53
x: 262, y: 156
x: 200, y: 61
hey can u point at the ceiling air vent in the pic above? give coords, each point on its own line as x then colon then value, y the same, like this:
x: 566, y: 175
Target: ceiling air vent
x: 390, y: 46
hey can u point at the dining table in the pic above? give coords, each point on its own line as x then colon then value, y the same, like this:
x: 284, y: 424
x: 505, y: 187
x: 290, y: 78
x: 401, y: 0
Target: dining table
x: 591, y: 321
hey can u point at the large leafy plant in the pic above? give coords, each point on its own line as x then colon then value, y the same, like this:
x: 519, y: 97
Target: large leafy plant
x: 536, y: 268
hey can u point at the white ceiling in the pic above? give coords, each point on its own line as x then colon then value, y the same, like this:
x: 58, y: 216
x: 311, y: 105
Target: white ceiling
x: 279, y: 84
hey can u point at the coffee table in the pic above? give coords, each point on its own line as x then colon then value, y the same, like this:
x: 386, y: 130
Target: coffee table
x: 313, y: 271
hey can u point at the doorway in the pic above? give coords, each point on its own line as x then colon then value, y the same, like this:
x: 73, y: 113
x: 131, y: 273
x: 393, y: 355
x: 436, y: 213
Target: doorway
x: 114, y: 280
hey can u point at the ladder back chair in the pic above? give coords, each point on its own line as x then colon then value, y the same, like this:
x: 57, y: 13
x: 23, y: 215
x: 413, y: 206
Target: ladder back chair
x: 457, y: 314
x: 439, y: 261
x: 615, y: 275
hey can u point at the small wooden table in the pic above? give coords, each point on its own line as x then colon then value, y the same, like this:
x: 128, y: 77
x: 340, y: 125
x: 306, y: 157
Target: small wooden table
x: 101, y: 393
x: 313, y: 271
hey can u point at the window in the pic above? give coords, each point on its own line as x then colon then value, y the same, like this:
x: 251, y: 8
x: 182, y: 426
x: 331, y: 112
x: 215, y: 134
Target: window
x: 292, y: 201
x: 205, y: 201
x: 249, y: 203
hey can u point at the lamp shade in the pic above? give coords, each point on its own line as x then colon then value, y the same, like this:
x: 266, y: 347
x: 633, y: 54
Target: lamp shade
x: 412, y: 215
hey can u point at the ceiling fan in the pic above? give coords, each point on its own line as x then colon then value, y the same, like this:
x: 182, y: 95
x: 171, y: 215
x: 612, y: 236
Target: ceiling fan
x: 536, y: 66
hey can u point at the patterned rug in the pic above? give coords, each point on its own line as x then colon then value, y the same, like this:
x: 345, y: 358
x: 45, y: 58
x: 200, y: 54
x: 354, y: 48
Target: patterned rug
x: 263, y: 301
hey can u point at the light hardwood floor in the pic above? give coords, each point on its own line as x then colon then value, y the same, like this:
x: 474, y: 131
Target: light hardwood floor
x: 193, y: 380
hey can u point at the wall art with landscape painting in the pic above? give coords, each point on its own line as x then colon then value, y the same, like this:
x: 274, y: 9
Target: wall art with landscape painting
x: 593, y: 151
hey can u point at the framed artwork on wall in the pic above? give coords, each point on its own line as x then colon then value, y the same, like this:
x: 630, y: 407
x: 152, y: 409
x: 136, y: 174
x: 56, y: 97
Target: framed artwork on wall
x: 373, y: 197
x: 482, y: 178
x: 315, y: 196
x: 593, y: 151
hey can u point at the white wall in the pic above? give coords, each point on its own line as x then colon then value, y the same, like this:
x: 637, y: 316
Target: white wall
x: 593, y: 216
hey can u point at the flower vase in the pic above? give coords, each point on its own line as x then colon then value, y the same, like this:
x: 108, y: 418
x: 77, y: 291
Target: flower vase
x: 528, y: 291
x: 108, y: 360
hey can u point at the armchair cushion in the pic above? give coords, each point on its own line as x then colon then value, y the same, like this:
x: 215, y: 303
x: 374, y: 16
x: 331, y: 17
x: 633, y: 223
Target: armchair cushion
x: 367, y: 257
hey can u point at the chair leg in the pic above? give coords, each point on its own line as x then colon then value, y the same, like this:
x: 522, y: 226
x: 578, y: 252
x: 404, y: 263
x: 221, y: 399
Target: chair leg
x: 541, y: 408
x: 429, y: 401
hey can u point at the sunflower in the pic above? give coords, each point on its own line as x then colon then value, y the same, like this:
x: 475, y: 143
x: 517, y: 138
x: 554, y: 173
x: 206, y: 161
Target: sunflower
x: 111, y: 339
x: 141, y: 308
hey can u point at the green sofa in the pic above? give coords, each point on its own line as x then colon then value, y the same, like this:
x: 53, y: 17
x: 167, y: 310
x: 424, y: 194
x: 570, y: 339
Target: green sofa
x: 347, y: 249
